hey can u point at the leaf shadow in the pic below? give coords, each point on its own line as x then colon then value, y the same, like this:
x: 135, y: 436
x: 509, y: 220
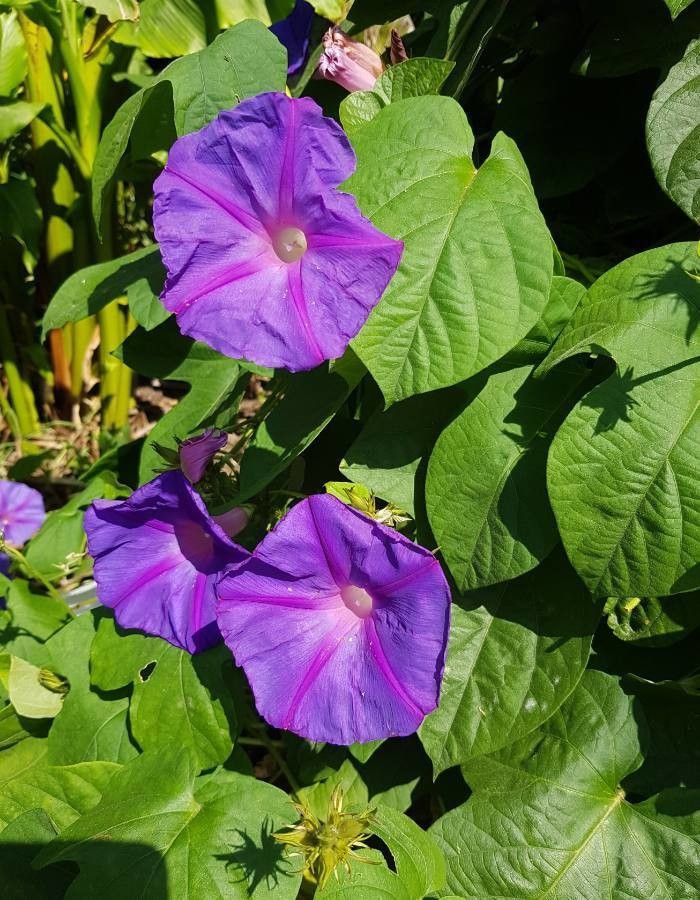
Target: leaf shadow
x: 254, y: 862
x: 680, y: 282
x: 614, y: 397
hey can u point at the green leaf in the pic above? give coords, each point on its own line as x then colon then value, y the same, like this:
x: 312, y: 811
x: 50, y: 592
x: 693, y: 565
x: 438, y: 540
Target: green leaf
x: 168, y: 28
x: 369, y: 880
x: 115, y: 10
x: 654, y: 621
x: 388, y: 454
x: 216, y: 384
x: 486, y: 493
x: 209, y: 838
x: 12, y: 730
x: 564, y: 297
x: 242, y: 62
x: 672, y: 758
x: 28, y: 696
x: 20, y: 216
x: 13, y: 57
x: 63, y: 792
x: 411, y: 78
x: 62, y: 534
x: 16, y: 115
x: 548, y: 817
x: 19, y: 844
x: 622, y: 479
x: 88, y: 290
x: 477, y: 263
x: 177, y: 699
x: 515, y: 653
x: 355, y: 795
x: 420, y: 864
x: 145, y: 305
x: 310, y: 401
x: 673, y: 132
x: 644, y: 313
x: 90, y: 726
x: 33, y: 619
x: 676, y: 7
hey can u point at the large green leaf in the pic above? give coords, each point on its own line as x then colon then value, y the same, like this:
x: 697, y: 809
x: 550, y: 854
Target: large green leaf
x: 676, y: 7
x: 390, y: 454
x: 673, y: 132
x: 20, y: 215
x: 477, y: 263
x: 13, y: 54
x: 32, y: 619
x: 644, y: 313
x: 19, y: 844
x: 27, y: 695
x: 178, y: 699
x: 216, y: 387
x: 242, y: 62
x: 515, y: 653
x: 115, y: 10
x: 310, y: 401
x: 170, y: 835
x: 89, y: 726
x: 64, y: 792
x: 411, y: 78
x: 623, y: 481
x: 486, y: 492
x: 86, y: 291
x: 548, y: 817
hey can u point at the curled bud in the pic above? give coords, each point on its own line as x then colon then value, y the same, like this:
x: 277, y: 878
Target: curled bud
x: 53, y: 682
x: 349, y: 63
x: 233, y: 520
x: 197, y: 452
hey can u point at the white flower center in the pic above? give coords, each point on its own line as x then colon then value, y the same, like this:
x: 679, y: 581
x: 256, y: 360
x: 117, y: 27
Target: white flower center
x: 357, y: 600
x: 289, y: 244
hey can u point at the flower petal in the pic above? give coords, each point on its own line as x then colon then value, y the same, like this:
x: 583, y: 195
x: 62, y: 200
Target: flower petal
x: 294, y: 33
x: 317, y: 668
x: 197, y: 452
x: 157, y: 558
x: 22, y: 511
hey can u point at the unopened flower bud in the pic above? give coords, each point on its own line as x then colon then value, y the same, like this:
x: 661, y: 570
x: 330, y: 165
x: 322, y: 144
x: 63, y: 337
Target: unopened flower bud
x: 233, y: 520
x: 349, y: 63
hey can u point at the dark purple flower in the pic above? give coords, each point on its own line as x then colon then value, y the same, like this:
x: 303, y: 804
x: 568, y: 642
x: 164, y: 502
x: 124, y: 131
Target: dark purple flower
x: 22, y: 512
x: 157, y: 557
x: 340, y: 624
x: 294, y: 33
x: 196, y: 452
x: 266, y: 259
x: 4, y: 570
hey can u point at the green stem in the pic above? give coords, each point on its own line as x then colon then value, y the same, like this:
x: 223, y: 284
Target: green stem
x: 31, y: 572
x: 20, y: 391
x: 272, y: 748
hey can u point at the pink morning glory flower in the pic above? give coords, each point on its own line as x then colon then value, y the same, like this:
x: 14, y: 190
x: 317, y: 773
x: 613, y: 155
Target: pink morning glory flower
x: 197, y: 452
x: 351, y: 64
x: 157, y: 556
x: 340, y: 624
x: 22, y: 512
x: 266, y: 260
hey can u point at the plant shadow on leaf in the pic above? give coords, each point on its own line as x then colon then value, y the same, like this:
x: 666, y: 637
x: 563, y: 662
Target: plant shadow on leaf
x: 22, y: 877
x: 253, y: 861
x: 679, y: 282
x: 614, y: 398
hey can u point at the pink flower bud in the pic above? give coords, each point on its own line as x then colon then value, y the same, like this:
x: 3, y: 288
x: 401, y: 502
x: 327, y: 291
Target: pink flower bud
x: 233, y: 521
x: 349, y: 63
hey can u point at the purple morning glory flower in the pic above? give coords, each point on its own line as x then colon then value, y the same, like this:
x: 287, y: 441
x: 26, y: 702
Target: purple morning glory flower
x: 340, y: 624
x: 157, y: 556
x: 294, y: 33
x: 266, y: 259
x: 22, y: 512
x: 4, y: 570
x: 196, y: 453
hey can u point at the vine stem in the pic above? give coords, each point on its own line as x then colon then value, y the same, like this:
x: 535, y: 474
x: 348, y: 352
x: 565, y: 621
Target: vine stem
x: 272, y: 748
x: 33, y: 573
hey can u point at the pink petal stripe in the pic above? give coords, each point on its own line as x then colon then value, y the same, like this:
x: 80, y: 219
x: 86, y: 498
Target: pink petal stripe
x: 228, y: 276
x: 405, y: 579
x: 200, y: 584
x: 328, y: 648
x: 294, y: 602
x: 296, y: 289
x: 384, y: 666
x: 338, y: 242
x: 240, y: 215
x: 161, y: 568
x: 285, y: 199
